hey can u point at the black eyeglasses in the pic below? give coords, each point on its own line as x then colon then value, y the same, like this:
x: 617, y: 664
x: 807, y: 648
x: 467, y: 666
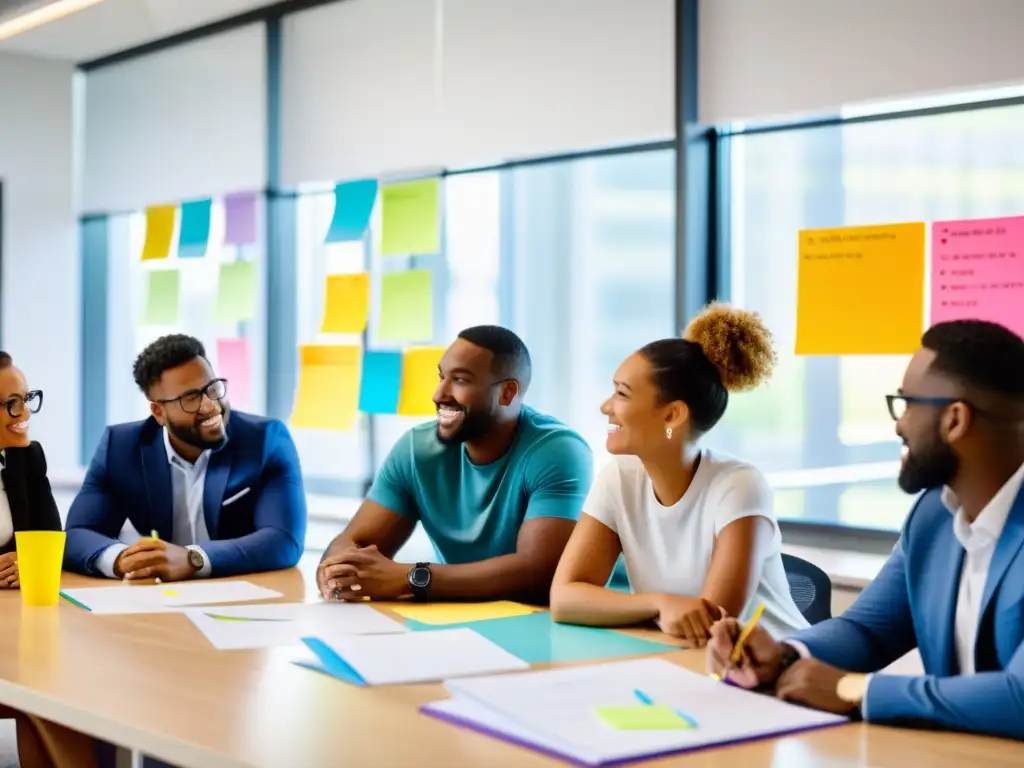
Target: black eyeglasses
x: 898, y: 403
x: 191, y: 402
x: 16, y: 404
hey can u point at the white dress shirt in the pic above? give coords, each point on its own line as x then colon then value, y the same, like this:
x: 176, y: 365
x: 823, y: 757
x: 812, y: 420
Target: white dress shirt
x: 188, y: 481
x: 979, y: 542
x: 6, y: 521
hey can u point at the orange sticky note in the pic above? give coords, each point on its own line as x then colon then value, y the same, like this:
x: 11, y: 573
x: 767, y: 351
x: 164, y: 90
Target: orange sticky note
x: 328, y: 393
x: 860, y: 290
x: 346, y: 303
x: 419, y: 380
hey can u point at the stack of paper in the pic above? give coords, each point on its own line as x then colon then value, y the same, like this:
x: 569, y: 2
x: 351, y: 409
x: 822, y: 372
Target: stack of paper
x: 619, y: 711
x: 163, y: 598
x: 279, y: 624
x: 411, y: 657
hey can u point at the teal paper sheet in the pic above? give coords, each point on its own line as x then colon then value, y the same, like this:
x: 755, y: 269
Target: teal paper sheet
x: 537, y: 639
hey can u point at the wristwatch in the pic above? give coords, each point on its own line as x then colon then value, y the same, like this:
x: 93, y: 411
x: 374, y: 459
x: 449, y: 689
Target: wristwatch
x: 851, y: 688
x: 419, y: 581
x: 195, y: 559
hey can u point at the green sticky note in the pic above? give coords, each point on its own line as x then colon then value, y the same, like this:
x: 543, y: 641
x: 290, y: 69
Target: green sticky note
x: 406, y: 306
x: 642, y: 717
x: 236, y: 292
x: 411, y: 218
x: 162, y: 298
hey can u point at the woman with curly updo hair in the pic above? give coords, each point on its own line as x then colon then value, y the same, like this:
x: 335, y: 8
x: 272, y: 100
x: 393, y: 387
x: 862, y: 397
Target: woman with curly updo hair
x: 696, y: 527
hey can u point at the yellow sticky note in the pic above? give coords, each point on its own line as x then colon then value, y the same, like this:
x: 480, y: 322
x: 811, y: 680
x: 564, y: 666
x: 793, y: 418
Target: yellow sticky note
x: 406, y: 306
x: 346, y: 303
x: 236, y: 292
x: 170, y: 593
x: 860, y: 290
x: 642, y: 717
x: 411, y: 218
x: 328, y: 392
x: 457, y: 613
x: 162, y: 297
x: 419, y: 380
x: 159, y: 231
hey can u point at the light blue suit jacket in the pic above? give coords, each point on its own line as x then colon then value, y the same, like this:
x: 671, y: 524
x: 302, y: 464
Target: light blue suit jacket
x: 912, y: 604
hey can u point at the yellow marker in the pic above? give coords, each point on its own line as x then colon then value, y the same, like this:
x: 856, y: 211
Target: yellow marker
x: 156, y: 537
x: 737, y: 649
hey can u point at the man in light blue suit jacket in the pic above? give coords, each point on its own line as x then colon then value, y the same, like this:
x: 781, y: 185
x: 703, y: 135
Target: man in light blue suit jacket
x: 222, y: 491
x: 954, y: 584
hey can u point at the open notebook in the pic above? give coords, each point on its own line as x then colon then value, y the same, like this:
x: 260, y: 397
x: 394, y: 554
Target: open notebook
x: 618, y: 712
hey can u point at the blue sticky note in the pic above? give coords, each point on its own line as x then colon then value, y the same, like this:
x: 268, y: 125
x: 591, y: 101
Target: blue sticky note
x: 536, y: 639
x: 381, y: 382
x: 353, y: 204
x: 195, y: 229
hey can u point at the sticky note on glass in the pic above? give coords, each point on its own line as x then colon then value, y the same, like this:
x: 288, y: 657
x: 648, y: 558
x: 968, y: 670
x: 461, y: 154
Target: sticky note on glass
x: 162, y: 292
x: 236, y: 292
x: 642, y: 717
x: 346, y: 303
x: 381, y: 382
x: 353, y: 204
x: 860, y: 290
x: 195, y: 229
x: 159, y: 231
x: 233, y: 365
x: 419, y: 380
x: 240, y: 218
x: 406, y: 306
x: 411, y: 218
x: 978, y: 271
x: 328, y: 391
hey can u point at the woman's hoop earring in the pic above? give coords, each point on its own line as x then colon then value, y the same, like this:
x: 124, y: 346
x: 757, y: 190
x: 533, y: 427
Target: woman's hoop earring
x: 668, y: 433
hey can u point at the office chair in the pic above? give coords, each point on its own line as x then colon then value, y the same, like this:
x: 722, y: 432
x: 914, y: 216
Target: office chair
x: 810, y: 588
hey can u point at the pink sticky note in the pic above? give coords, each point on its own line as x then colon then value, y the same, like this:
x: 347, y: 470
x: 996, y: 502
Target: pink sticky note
x: 233, y: 365
x: 978, y: 271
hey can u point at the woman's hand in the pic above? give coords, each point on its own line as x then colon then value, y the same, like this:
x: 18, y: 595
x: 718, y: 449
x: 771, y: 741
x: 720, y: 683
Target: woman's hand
x: 9, y: 571
x: 690, y: 618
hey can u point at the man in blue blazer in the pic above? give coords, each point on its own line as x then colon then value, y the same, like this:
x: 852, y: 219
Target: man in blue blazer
x: 212, y: 493
x: 954, y: 584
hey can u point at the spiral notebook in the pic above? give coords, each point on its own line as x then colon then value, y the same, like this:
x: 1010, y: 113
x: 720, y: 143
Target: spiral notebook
x: 618, y: 712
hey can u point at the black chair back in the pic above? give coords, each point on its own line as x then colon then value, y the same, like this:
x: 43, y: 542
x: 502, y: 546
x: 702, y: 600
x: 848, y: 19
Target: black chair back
x: 810, y: 588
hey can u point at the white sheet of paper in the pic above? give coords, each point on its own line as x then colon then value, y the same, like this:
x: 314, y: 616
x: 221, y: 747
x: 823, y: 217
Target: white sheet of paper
x: 418, y: 657
x: 555, y: 709
x: 161, y: 598
x: 237, y: 627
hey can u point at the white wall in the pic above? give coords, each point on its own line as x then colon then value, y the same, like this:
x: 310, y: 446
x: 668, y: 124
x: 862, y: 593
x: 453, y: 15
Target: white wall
x: 186, y: 122
x: 780, y: 58
x: 41, y: 276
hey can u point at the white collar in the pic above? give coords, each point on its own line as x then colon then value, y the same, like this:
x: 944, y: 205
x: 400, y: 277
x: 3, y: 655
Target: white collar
x: 3, y: 458
x: 988, y: 525
x: 174, y: 458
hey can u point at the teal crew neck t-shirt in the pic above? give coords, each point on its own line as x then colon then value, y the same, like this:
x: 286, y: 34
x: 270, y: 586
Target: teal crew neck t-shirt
x: 473, y: 512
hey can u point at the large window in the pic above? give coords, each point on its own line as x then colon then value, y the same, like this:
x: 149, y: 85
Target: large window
x: 821, y: 429
x: 576, y: 256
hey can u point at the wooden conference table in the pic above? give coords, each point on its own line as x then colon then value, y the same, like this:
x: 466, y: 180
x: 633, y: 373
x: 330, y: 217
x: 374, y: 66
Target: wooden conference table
x: 152, y: 683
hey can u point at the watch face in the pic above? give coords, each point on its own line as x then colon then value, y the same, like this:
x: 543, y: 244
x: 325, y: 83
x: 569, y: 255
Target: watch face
x: 195, y: 559
x: 420, y: 577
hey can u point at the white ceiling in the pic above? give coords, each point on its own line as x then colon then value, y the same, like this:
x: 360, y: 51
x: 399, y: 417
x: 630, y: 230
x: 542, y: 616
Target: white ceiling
x: 114, y: 25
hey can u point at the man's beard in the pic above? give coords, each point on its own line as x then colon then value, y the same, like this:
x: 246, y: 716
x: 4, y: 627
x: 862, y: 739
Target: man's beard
x: 191, y: 435
x: 931, y: 466
x: 474, y: 426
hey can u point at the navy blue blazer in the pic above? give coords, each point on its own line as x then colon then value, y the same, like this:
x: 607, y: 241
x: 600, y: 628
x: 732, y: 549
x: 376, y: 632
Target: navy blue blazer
x: 129, y: 478
x: 912, y: 603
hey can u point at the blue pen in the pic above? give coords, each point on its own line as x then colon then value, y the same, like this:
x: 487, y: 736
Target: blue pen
x: 646, y: 700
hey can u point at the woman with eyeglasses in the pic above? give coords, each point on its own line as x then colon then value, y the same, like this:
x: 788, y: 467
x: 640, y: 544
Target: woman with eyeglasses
x: 26, y: 504
x: 26, y: 501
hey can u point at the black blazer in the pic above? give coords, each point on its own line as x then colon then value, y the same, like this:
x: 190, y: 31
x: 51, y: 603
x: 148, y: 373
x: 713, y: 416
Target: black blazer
x: 28, y: 492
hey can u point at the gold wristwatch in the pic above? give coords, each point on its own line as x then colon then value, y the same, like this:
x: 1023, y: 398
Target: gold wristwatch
x: 850, y: 688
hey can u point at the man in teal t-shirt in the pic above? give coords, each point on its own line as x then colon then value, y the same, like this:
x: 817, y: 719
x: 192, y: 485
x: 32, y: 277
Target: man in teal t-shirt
x: 497, y: 486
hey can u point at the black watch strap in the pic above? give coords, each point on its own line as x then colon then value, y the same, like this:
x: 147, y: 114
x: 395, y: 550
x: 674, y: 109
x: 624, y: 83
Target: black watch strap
x: 419, y: 581
x: 788, y: 657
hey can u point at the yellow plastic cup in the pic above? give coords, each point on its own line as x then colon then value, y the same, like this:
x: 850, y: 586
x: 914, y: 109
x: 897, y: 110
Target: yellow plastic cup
x: 40, y: 559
